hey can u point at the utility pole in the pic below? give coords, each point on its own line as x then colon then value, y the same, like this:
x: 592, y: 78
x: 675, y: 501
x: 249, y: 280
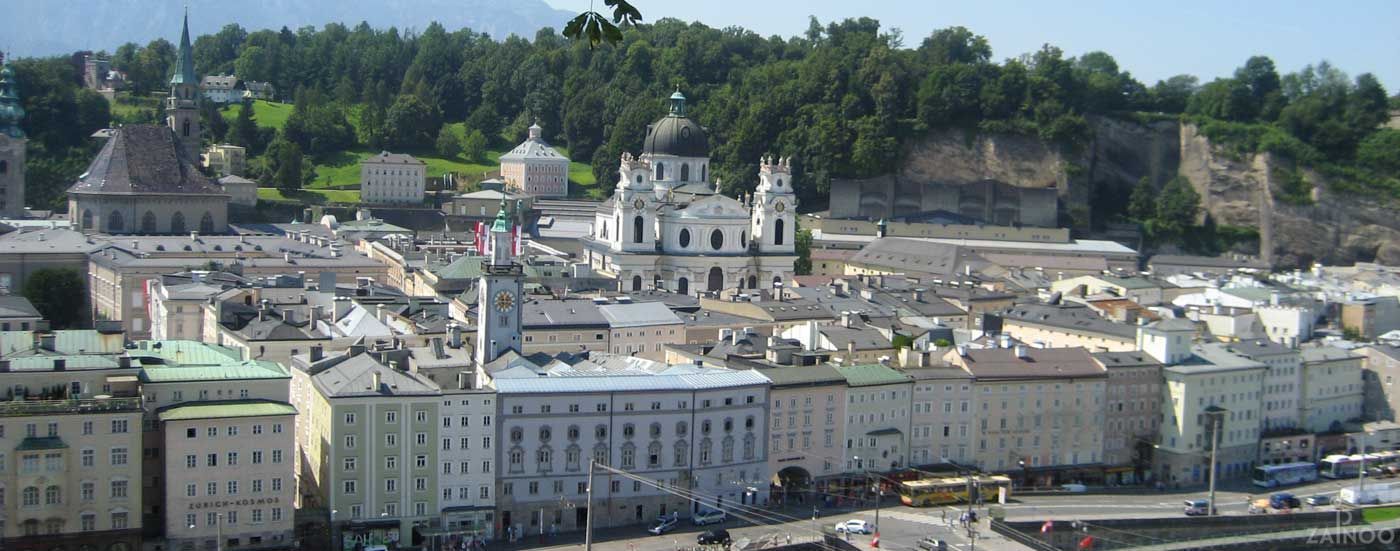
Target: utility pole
x: 879, y: 492
x: 1361, y: 475
x: 1215, y: 445
x: 588, y: 516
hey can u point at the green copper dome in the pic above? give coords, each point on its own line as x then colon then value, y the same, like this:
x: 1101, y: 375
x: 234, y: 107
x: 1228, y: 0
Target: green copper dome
x: 11, y: 113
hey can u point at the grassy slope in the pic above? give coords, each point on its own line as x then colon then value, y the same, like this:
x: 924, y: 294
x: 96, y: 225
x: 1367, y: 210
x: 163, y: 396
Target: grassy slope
x: 310, y: 196
x: 265, y: 113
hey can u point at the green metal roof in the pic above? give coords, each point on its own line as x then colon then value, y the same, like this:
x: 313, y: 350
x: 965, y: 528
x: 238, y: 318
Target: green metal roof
x: 184, y: 58
x: 41, y: 443
x: 252, y: 369
x: 871, y: 374
x: 502, y: 223
x: 464, y: 267
x: 173, y: 361
x: 228, y: 409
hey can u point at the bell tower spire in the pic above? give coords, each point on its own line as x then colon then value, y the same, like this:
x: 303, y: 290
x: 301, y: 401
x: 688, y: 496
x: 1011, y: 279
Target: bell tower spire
x: 498, y: 292
x: 182, y: 106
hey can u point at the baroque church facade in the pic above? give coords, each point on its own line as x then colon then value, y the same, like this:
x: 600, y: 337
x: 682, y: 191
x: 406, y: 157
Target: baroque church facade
x: 668, y: 227
x: 146, y: 178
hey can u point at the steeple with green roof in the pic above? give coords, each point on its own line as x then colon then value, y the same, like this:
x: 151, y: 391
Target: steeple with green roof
x: 182, y: 106
x: 11, y: 113
x: 184, y: 58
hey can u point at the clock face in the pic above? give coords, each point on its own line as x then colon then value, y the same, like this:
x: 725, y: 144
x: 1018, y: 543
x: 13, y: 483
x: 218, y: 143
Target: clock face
x: 639, y: 204
x: 504, y: 301
x: 780, y: 207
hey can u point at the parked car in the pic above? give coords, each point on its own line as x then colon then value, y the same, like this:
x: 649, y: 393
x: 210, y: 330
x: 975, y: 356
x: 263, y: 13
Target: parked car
x: 664, y: 525
x: 933, y: 544
x: 708, y: 517
x: 1196, y: 507
x: 1318, y: 500
x: 1074, y: 488
x: 716, y: 536
x: 1284, y: 500
x: 855, y: 526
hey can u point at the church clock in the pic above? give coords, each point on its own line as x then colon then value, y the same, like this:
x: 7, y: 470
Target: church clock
x: 504, y: 301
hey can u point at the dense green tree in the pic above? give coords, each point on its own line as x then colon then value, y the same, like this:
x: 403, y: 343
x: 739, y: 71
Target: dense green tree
x: 474, y: 146
x: 1142, y: 204
x: 1224, y: 99
x: 1177, y: 207
x: 59, y: 294
x: 289, y: 173
x: 955, y: 45
x: 447, y: 144
x: 411, y: 123
x: 1381, y: 152
x: 214, y: 54
x: 244, y: 130
x: 1173, y: 94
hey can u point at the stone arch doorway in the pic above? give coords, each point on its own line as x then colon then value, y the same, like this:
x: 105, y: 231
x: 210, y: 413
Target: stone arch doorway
x: 753, y: 282
x: 177, y: 223
x: 793, y: 482
x: 683, y: 286
x: 715, y: 281
x: 636, y: 283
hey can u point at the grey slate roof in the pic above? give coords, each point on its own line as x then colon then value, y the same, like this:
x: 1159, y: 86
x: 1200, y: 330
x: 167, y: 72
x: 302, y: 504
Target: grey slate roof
x: 810, y: 375
x: 144, y: 159
x: 1112, y: 360
x: 55, y: 241
x: 385, y: 157
x: 1318, y: 354
x: 1002, y: 363
x: 618, y: 383
x: 910, y: 255
x: 561, y: 314
x: 355, y: 377
x: 1255, y: 348
x: 1076, y: 317
x: 638, y: 314
x: 15, y: 306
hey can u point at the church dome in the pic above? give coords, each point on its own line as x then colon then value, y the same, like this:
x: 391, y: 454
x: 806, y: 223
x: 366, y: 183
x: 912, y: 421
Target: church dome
x: 675, y: 134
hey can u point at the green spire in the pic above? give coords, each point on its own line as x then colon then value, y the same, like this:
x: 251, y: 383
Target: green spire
x: 11, y: 113
x: 502, y: 223
x: 678, y: 103
x: 184, y: 57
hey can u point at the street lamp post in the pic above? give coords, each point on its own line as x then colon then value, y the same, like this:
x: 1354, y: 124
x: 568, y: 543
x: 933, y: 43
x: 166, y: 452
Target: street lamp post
x: 588, y: 514
x: 1361, y: 476
x: 1214, y: 446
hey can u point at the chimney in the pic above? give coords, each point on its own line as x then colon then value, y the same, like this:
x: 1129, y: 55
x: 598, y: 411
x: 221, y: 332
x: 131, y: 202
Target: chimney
x: 339, y: 307
x: 1005, y: 341
x: 289, y: 316
x: 394, y: 365
x: 851, y: 352
x: 464, y: 380
x: 60, y: 364
x: 918, y: 295
x: 726, y: 335
x: 962, y: 350
x: 377, y: 382
x: 317, y: 352
x: 194, y: 236
x: 813, y: 334
x: 846, y: 319
x: 357, y: 349
x: 454, y: 334
x: 4, y: 366
x: 1273, y: 298
x: 1022, y: 352
x: 124, y: 362
x: 318, y: 313
x: 46, y: 342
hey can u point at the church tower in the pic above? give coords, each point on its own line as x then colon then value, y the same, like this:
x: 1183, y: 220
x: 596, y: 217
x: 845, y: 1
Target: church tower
x: 182, y: 107
x: 498, y: 299
x: 774, y: 204
x: 12, y: 143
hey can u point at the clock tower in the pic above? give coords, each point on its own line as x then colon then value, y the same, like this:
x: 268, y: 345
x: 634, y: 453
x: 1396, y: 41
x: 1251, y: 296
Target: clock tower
x: 498, y: 294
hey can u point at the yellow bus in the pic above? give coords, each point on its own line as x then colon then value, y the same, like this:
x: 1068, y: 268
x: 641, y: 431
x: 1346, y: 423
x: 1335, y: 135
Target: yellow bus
x: 943, y: 491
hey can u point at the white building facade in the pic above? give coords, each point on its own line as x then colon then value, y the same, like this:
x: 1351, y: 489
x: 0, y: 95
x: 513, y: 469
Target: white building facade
x: 392, y: 178
x: 668, y: 227
x: 704, y: 433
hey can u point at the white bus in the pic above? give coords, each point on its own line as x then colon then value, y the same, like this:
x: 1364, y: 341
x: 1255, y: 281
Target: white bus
x: 1271, y: 476
x: 1339, y: 466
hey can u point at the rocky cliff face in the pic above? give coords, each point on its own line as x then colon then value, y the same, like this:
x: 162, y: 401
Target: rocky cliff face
x: 1236, y: 191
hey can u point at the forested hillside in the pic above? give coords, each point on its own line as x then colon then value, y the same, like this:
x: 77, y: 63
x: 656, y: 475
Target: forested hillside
x: 841, y: 99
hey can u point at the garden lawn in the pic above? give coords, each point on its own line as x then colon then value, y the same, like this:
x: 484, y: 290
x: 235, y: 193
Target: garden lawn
x: 309, y: 196
x: 265, y: 113
x: 1381, y: 514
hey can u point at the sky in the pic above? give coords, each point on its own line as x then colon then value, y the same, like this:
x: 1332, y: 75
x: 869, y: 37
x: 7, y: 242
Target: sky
x: 1153, y: 40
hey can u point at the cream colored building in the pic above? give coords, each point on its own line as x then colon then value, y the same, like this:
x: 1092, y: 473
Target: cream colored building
x: 878, y: 400
x: 392, y: 178
x: 70, y: 442
x: 806, y: 426
x: 226, y: 160
x: 228, y: 474
x: 1332, y: 389
x: 536, y: 169
x: 241, y: 191
x: 1213, y: 381
x: 1043, y: 406
x: 642, y: 328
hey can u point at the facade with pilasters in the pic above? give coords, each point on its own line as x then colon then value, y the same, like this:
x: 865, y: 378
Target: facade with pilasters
x: 667, y: 226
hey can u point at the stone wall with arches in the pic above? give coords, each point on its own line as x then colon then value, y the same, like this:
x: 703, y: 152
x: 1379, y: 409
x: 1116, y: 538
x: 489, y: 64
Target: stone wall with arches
x: 148, y: 214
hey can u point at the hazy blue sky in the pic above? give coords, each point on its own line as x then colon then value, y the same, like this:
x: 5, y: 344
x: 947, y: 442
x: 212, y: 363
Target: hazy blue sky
x: 1154, y: 40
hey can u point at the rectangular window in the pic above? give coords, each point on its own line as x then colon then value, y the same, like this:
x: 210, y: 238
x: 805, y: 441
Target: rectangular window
x: 119, y: 456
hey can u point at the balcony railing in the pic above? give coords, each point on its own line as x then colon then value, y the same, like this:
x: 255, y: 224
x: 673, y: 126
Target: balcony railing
x: 22, y: 408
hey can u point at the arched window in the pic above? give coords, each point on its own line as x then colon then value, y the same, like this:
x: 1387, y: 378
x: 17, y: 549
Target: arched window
x: 186, y: 128
x: 177, y: 223
x: 683, y: 286
x: 206, y: 224
x: 30, y: 496
x: 637, y: 225
x: 778, y: 232
x: 660, y: 171
x: 87, y: 219
x: 685, y: 172
x: 636, y: 283
x: 743, y: 239
x: 53, y: 495
x: 685, y: 238
x: 148, y: 222
x: 715, y: 280
x: 753, y: 282
x: 114, y: 222
x: 639, y: 178
x: 716, y: 239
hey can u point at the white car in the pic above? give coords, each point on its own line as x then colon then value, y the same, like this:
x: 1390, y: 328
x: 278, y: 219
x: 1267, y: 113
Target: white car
x: 663, y: 525
x: 855, y: 526
x: 708, y: 517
